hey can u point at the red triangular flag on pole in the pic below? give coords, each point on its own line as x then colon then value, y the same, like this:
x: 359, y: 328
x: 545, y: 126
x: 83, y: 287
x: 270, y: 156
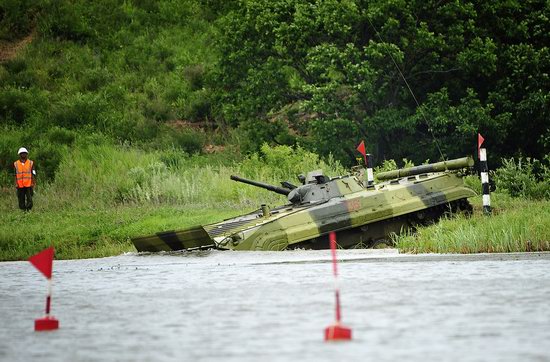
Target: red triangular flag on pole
x: 43, y: 261
x: 480, y: 140
x: 362, y: 150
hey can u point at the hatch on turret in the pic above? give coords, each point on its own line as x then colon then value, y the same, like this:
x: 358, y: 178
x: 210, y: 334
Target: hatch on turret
x: 316, y: 177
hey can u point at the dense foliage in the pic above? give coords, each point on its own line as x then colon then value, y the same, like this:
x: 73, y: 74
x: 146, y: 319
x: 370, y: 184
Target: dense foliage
x: 326, y: 73
x: 525, y: 178
x: 322, y: 74
x: 130, y: 70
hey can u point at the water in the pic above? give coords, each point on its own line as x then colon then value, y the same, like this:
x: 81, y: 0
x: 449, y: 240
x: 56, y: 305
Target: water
x: 262, y: 306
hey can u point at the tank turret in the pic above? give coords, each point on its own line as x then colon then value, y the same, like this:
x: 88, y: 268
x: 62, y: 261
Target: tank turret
x: 316, y: 187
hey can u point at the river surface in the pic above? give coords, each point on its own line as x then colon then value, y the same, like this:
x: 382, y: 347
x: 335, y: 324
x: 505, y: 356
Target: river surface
x: 274, y: 306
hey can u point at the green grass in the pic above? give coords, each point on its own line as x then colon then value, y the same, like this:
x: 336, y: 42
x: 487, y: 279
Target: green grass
x: 92, y: 232
x: 516, y: 225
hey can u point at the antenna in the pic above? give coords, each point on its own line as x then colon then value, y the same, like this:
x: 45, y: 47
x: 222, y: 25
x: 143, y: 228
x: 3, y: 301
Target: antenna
x: 410, y: 90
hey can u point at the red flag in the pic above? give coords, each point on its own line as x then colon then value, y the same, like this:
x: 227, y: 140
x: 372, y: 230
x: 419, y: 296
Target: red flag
x: 43, y: 261
x: 480, y: 140
x: 361, y: 148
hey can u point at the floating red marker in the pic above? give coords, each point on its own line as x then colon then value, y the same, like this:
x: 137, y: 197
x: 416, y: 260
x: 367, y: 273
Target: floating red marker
x: 46, y: 324
x: 43, y: 261
x: 336, y: 332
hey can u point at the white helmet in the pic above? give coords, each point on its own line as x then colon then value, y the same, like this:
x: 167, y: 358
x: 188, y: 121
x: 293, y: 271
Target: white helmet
x: 22, y: 150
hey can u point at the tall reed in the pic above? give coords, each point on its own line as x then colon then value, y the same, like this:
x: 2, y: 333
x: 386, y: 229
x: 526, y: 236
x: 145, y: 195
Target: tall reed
x: 516, y: 225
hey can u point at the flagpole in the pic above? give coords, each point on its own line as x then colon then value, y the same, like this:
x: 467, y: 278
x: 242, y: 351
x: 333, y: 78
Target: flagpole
x: 49, y: 298
x: 332, y: 238
x: 370, y: 173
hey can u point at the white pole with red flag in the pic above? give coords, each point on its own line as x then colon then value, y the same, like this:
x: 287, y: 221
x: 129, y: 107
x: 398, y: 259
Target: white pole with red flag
x: 336, y: 331
x: 484, y: 171
x: 43, y: 261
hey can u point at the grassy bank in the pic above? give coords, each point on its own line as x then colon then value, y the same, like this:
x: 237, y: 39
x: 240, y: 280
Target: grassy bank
x: 84, y: 232
x: 103, y: 194
x: 94, y: 232
x: 516, y: 225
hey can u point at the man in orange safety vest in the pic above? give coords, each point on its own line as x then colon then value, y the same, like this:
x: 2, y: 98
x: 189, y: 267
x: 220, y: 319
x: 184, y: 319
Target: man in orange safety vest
x: 25, y: 178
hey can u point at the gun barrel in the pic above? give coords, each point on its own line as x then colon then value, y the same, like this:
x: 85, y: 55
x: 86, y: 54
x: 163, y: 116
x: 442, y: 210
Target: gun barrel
x: 277, y: 189
x: 454, y: 164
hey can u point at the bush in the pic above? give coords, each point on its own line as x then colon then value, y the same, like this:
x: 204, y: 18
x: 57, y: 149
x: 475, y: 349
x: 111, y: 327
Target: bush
x: 387, y: 165
x: 189, y: 140
x: 527, y: 178
x: 95, y: 78
x: 17, y: 18
x: 47, y: 158
x: 79, y: 110
x: 198, y: 107
x: 65, y: 21
x: 194, y: 75
x: 282, y: 162
x: 473, y: 182
x: 391, y: 165
x: 173, y: 158
x: 14, y: 105
x: 62, y: 136
x: 132, y: 127
x: 10, y: 141
x: 157, y: 109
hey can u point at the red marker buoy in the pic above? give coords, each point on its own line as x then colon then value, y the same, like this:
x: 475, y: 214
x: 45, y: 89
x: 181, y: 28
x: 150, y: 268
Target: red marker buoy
x: 336, y: 332
x: 43, y: 261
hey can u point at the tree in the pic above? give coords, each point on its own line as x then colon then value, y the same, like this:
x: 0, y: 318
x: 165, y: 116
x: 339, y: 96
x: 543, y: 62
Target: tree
x: 328, y: 73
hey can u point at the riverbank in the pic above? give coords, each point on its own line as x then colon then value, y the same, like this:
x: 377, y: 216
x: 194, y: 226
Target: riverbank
x: 94, y: 231
x: 516, y: 225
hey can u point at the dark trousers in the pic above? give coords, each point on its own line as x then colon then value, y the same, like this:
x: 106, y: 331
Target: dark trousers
x: 24, y: 195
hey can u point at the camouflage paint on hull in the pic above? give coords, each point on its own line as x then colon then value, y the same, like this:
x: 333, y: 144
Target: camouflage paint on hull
x: 191, y: 238
x: 343, y: 206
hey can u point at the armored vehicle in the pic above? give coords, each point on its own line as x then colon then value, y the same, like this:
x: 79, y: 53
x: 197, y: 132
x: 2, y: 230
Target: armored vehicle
x: 363, y: 215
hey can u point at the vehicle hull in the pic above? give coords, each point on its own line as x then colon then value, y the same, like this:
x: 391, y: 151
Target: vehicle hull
x: 362, y: 218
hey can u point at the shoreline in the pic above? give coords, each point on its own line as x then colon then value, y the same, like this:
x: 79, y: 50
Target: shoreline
x: 391, y: 255
x: 77, y: 232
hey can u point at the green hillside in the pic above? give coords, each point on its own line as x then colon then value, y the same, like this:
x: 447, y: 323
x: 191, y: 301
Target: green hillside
x: 283, y: 72
x: 132, y: 71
